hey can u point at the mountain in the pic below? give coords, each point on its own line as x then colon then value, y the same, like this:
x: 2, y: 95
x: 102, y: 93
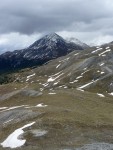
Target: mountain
x: 66, y: 104
x: 78, y: 42
x: 45, y: 49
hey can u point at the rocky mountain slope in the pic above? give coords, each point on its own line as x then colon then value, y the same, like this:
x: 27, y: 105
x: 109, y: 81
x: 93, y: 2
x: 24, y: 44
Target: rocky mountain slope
x: 91, y: 70
x: 47, y: 48
x: 85, y: 70
x: 66, y: 104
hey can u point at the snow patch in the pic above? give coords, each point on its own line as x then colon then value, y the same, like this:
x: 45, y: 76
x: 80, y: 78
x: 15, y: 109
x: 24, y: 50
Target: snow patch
x: 65, y: 59
x: 103, y: 55
x: 76, y: 54
x: 102, y: 72
x: 101, y: 95
x: 65, y: 87
x: 41, y: 105
x: 84, y: 72
x: 58, y: 66
x: 14, y: 107
x: 41, y: 89
x: 56, y: 83
x: 73, y: 81
x: 79, y: 77
x: 8, y: 121
x: 51, y: 79
x: 85, y: 68
x: 97, y: 50
x: 51, y: 93
x: 1, y: 108
x: 61, y: 86
x: 83, y: 86
x: 45, y: 84
x: 28, y: 77
x: 108, y: 50
x: 111, y: 93
x: 13, y: 140
x: 108, y: 47
x: 55, y: 74
x: 80, y: 90
x: 101, y: 64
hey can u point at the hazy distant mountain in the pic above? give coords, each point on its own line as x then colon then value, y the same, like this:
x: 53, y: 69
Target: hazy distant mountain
x: 78, y: 42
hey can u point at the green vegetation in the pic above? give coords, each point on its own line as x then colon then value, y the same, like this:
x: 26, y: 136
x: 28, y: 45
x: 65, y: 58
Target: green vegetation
x: 6, y: 78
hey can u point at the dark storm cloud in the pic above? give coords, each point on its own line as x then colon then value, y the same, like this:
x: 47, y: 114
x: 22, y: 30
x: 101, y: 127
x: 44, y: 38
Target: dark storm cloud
x: 40, y: 16
x: 24, y: 21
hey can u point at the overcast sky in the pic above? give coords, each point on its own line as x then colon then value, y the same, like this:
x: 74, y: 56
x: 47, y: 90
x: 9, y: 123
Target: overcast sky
x: 24, y: 21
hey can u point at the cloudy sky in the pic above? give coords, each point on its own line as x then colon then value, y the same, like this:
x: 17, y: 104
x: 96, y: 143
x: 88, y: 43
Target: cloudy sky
x: 24, y: 21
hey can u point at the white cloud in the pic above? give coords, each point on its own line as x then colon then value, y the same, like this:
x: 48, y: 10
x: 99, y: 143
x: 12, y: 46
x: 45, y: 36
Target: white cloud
x: 13, y: 41
x: 91, y: 38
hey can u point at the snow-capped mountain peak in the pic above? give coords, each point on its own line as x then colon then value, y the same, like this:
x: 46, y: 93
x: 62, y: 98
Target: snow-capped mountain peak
x: 53, y: 37
x: 48, y: 40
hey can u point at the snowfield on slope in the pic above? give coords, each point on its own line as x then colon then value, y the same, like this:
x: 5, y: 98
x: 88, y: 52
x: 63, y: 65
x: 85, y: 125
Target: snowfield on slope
x: 13, y: 140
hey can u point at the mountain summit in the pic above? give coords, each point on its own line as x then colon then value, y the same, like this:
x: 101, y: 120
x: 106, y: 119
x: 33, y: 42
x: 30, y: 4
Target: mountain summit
x: 45, y: 49
x: 48, y: 40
